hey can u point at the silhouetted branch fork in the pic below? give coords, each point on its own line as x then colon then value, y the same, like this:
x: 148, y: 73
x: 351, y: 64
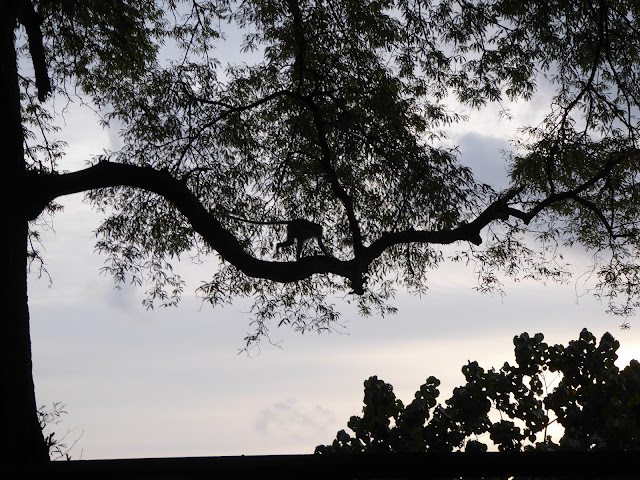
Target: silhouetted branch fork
x: 600, y: 214
x: 319, y: 124
x: 574, y: 193
x: 334, y: 181
x: 229, y: 109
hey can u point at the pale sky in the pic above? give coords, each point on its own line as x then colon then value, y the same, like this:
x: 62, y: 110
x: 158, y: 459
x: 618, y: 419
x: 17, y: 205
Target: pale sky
x: 170, y: 382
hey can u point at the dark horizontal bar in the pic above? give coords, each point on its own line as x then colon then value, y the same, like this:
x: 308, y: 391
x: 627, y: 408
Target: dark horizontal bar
x: 589, y: 464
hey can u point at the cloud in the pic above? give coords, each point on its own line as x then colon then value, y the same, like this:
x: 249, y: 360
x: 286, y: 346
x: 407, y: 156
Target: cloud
x: 292, y: 419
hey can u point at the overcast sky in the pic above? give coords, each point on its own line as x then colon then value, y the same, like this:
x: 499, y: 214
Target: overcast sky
x: 171, y: 383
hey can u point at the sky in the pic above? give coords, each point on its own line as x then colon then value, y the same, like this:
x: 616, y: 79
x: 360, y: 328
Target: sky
x: 171, y: 382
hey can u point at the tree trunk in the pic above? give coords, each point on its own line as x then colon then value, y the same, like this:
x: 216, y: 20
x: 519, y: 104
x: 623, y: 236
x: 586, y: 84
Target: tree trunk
x: 21, y: 438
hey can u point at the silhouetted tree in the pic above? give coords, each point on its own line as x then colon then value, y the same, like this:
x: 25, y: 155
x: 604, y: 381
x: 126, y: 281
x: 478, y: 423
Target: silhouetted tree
x: 335, y: 118
x: 596, y: 404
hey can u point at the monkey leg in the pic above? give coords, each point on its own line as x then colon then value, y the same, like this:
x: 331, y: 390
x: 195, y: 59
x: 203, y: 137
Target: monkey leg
x: 323, y: 248
x: 287, y: 243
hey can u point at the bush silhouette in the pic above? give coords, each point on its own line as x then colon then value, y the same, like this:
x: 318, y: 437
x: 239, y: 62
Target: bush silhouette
x: 597, y: 405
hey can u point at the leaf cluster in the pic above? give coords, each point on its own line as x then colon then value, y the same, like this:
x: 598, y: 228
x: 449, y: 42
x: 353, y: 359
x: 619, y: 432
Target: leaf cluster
x: 596, y: 404
x: 58, y: 446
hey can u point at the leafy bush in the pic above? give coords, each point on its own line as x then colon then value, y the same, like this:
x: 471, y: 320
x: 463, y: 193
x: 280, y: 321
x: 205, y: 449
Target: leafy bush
x: 597, y: 405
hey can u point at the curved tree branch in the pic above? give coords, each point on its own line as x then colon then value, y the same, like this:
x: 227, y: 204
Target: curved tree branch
x: 47, y: 187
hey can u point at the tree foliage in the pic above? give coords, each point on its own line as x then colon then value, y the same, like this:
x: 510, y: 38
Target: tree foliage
x: 59, y: 446
x: 576, y: 386
x: 336, y: 114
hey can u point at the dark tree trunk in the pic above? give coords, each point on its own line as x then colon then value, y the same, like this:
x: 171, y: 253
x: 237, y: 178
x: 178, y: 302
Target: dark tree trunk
x: 21, y: 438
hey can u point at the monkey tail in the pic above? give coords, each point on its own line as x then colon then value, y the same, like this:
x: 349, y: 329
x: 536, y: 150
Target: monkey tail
x: 255, y: 222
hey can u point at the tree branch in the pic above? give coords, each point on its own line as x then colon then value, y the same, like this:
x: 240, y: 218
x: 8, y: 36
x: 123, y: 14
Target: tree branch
x: 318, y: 122
x: 526, y: 217
x: 466, y: 232
x: 31, y: 21
x: 45, y: 188
x: 598, y: 213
